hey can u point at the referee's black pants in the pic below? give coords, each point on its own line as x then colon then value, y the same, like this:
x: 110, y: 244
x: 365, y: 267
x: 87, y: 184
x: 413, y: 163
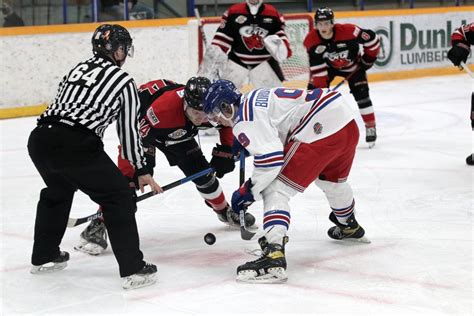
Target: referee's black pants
x: 71, y: 158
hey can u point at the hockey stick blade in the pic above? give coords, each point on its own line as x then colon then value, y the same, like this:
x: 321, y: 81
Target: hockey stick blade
x: 72, y: 222
x: 244, y: 233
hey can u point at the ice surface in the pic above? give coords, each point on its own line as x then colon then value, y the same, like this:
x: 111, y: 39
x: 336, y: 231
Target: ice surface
x: 413, y: 195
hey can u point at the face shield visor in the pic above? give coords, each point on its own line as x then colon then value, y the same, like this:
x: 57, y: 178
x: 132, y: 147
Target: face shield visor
x: 224, y: 111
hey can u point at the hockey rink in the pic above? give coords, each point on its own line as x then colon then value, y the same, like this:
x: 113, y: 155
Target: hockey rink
x: 413, y: 194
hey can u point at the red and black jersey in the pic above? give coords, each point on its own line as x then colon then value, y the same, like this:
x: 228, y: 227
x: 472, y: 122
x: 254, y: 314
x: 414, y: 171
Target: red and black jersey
x: 463, y: 34
x: 241, y: 34
x: 162, y: 116
x: 341, y: 52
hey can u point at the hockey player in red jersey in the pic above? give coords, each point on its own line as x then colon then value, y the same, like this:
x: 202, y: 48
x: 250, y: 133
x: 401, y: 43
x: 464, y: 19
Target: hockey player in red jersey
x: 461, y: 41
x: 334, y: 50
x: 248, y: 46
x: 170, y: 116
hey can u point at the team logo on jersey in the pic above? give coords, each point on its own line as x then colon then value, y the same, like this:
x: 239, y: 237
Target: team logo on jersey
x: 320, y: 49
x: 267, y: 20
x: 177, y: 134
x: 338, y: 59
x: 150, y: 114
x: 143, y: 128
x: 318, y: 128
x: 365, y: 36
x: 241, y: 19
x: 252, y: 36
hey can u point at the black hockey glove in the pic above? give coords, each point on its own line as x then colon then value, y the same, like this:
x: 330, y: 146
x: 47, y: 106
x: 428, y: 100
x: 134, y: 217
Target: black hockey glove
x: 458, y: 53
x: 366, y: 63
x: 222, y: 160
x: 310, y: 86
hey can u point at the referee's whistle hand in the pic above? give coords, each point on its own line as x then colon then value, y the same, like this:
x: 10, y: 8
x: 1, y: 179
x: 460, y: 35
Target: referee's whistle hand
x: 148, y: 180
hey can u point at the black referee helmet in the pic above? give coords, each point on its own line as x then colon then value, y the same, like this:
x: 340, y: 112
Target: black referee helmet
x: 107, y: 38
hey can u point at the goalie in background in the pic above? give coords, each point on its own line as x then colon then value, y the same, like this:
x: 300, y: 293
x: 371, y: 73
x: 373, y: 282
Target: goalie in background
x: 170, y: 116
x: 334, y: 50
x: 461, y: 41
x: 248, y: 46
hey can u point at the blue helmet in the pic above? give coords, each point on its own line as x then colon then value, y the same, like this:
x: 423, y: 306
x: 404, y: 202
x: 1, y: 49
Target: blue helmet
x: 220, y: 95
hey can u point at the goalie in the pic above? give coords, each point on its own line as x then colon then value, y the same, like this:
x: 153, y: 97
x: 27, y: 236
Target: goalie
x: 248, y: 46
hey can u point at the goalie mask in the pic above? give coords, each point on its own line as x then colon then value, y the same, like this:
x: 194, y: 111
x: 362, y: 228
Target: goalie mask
x: 108, y: 38
x: 254, y: 6
x: 195, y: 90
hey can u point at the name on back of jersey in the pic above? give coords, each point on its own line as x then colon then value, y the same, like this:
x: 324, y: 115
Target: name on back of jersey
x: 262, y: 98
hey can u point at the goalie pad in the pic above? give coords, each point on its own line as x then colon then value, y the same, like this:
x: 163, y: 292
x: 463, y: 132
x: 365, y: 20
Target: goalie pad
x: 213, y: 63
x: 276, y: 47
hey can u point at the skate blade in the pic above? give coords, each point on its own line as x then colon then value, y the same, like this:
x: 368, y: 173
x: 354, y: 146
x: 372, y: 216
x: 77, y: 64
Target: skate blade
x: 48, y: 267
x: 274, y: 276
x: 135, y: 282
x: 371, y: 144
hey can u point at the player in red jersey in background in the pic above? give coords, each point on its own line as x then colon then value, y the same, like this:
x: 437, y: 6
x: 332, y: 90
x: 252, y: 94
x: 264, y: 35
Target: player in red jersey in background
x: 461, y: 41
x: 170, y: 116
x: 248, y: 46
x: 334, y: 50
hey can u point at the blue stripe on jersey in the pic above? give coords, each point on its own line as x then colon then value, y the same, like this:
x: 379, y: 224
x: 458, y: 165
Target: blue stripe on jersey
x: 274, y: 159
x: 249, y: 106
x: 269, y: 155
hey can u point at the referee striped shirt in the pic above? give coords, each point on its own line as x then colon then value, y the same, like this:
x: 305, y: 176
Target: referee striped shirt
x: 94, y: 94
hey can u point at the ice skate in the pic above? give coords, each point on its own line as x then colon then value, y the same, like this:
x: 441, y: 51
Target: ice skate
x: 351, y: 231
x: 269, y: 268
x: 370, y: 136
x: 145, y: 277
x: 93, y: 239
x: 57, y: 264
x: 234, y: 218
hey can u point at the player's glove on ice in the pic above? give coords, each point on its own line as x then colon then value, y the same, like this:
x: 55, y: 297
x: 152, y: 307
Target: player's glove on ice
x: 243, y: 197
x: 458, y: 53
x: 222, y: 160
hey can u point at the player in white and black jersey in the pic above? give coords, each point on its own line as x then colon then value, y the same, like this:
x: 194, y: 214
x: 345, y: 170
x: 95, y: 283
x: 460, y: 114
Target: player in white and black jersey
x: 248, y: 46
x: 67, y: 149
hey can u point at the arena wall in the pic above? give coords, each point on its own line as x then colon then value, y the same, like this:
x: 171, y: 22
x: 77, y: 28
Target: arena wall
x: 34, y: 59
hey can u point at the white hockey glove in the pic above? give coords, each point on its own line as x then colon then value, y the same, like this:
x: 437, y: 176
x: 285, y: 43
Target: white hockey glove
x: 213, y: 63
x: 276, y: 47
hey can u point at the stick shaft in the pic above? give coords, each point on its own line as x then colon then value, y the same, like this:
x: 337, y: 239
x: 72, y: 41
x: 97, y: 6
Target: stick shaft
x: 72, y: 222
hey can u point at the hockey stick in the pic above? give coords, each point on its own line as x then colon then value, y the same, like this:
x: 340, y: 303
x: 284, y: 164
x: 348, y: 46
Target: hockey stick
x: 204, y: 38
x: 72, y: 222
x: 466, y: 68
x: 244, y: 233
x: 344, y: 79
x: 200, y: 27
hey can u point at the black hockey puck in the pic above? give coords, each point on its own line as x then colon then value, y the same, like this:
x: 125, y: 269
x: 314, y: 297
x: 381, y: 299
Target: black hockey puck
x: 209, y: 238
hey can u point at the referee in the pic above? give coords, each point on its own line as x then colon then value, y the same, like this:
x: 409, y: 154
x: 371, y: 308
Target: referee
x: 67, y: 149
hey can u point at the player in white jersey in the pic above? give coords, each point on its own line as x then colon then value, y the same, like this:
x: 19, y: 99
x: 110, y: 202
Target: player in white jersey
x: 297, y: 137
